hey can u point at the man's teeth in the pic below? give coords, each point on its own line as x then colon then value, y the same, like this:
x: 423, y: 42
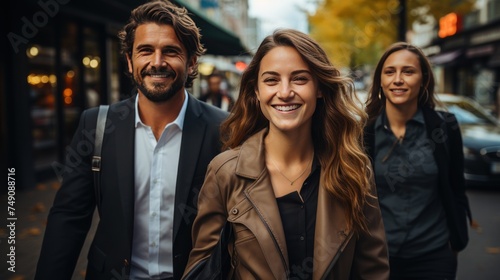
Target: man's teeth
x: 287, y: 108
x: 159, y: 76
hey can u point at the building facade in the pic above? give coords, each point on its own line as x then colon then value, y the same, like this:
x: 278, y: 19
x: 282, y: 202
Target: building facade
x: 465, y: 51
x: 62, y: 58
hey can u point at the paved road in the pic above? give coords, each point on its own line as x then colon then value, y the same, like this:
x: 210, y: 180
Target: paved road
x: 479, y: 261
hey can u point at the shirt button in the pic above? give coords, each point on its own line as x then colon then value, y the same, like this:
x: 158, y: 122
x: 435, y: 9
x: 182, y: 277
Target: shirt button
x: 153, y: 214
x: 153, y: 244
x: 234, y: 211
x: 301, y: 238
x: 301, y: 206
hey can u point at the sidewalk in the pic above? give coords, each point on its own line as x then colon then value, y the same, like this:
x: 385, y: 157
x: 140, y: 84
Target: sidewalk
x: 32, y: 208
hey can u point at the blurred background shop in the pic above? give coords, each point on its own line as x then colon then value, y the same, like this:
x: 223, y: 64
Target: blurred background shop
x: 465, y: 50
x: 63, y: 57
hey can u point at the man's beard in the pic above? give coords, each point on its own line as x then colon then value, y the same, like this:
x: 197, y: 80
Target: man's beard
x: 160, y: 92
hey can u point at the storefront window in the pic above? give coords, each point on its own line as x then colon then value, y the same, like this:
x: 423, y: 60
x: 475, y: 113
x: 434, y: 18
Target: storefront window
x: 71, y: 91
x: 42, y: 83
x: 92, y: 67
x: 114, y: 61
x: 484, y: 88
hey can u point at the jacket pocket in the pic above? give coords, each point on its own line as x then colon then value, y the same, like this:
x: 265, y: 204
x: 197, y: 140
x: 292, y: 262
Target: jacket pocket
x: 242, y: 234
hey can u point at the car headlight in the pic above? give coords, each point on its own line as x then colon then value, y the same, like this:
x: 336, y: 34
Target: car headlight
x: 470, y: 153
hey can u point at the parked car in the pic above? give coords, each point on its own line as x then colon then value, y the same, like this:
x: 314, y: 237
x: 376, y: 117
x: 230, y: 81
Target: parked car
x: 481, y: 140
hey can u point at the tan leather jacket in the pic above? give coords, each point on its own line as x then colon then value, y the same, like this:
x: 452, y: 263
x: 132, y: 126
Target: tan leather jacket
x: 238, y: 188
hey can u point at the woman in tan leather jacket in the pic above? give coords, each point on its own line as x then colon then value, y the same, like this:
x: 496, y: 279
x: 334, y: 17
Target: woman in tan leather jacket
x: 295, y: 183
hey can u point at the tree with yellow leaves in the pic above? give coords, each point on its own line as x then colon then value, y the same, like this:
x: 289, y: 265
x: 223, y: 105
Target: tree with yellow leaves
x: 355, y: 32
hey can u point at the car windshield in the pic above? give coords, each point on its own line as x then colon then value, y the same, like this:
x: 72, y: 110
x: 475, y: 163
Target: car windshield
x: 466, y: 113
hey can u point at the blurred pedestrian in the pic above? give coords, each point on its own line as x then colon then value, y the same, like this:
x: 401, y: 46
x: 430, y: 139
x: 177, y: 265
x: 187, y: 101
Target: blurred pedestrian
x: 215, y: 95
x: 155, y: 152
x: 418, y: 161
x: 295, y: 184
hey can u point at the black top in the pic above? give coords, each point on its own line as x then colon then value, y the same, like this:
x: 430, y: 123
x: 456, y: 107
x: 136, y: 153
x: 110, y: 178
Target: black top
x: 299, y: 219
x: 406, y: 174
x: 443, y: 132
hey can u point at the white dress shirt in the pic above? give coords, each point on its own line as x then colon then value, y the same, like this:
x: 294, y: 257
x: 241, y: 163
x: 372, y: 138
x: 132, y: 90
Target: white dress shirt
x: 156, y: 164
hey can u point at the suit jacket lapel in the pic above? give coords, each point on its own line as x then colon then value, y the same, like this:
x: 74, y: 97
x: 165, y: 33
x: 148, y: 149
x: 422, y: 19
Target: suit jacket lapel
x: 192, y: 139
x: 123, y: 117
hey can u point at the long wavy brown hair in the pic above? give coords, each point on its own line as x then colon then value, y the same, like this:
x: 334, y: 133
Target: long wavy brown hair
x: 337, y: 123
x: 426, y: 96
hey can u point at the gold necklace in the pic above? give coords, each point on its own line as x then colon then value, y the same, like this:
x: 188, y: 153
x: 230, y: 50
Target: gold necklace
x: 301, y: 174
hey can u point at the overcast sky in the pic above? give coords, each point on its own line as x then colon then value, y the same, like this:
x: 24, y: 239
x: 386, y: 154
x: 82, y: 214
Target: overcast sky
x: 280, y: 14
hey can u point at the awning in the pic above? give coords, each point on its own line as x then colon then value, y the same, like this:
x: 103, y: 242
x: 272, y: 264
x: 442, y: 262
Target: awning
x: 446, y: 58
x: 216, y: 39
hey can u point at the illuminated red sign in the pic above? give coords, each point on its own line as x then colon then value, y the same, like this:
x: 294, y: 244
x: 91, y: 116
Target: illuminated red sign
x: 449, y: 25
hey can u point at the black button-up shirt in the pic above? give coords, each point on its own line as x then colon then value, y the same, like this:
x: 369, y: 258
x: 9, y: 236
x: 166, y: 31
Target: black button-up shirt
x: 298, y: 217
x: 406, y: 175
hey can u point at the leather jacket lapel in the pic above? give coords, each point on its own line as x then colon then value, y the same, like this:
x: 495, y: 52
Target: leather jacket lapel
x: 331, y: 234
x: 269, y: 233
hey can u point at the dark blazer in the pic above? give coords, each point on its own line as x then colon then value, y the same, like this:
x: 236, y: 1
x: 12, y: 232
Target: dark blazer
x: 443, y: 130
x: 71, y: 215
x: 218, y: 100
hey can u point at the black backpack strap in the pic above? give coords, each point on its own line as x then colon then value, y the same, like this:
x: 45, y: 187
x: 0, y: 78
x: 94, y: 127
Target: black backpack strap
x: 96, y: 159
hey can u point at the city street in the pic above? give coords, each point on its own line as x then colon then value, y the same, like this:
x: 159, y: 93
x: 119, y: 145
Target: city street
x: 479, y: 261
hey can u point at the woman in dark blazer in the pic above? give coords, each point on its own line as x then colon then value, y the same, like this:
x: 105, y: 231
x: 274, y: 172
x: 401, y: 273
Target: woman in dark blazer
x: 417, y: 157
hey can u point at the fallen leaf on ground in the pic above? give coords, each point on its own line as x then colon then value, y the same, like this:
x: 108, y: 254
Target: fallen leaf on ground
x: 38, y: 208
x: 56, y: 185
x: 475, y: 225
x: 493, y: 250
x: 34, y: 231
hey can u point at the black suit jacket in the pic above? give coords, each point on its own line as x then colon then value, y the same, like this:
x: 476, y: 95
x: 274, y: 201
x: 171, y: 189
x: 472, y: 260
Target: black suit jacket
x: 444, y: 132
x: 71, y: 215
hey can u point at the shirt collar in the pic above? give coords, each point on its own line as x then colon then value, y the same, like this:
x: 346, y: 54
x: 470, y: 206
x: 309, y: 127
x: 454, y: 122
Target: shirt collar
x: 179, y: 121
x: 383, y: 122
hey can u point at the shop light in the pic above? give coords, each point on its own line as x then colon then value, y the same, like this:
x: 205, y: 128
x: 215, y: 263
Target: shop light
x: 240, y: 65
x: 35, y: 80
x: 86, y: 61
x: 67, y: 92
x: 206, y: 68
x: 68, y: 100
x: 53, y: 78
x: 44, y: 79
x: 32, y: 51
x: 94, y: 63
